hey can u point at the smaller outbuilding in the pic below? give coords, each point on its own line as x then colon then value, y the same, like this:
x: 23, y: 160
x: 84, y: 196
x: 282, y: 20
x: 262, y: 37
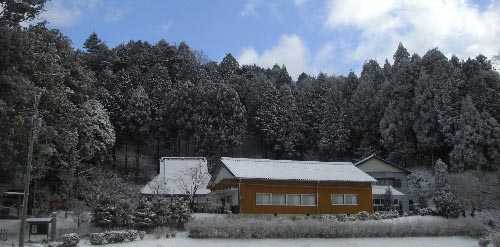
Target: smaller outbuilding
x: 389, y: 176
x: 42, y: 226
x: 181, y: 177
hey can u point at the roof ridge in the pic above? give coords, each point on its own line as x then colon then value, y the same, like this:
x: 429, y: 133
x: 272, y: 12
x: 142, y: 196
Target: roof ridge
x: 289, y: 161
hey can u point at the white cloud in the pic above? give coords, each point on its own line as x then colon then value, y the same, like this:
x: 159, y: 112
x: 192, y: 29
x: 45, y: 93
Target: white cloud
x: 454, y: 26
x: 60, y: 14
x: 64, y: 13
x: 292, y: 52
x: 289, y: 51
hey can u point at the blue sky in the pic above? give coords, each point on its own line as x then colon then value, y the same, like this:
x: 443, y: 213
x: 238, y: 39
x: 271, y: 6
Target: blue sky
x: 332, y: 36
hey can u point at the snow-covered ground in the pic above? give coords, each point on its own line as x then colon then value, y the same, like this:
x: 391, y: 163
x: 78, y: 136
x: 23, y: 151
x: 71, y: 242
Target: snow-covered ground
x: 183, y: 241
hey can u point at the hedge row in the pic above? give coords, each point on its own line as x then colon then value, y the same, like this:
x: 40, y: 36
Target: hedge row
x: 277, y: 227
x: 115, y: 237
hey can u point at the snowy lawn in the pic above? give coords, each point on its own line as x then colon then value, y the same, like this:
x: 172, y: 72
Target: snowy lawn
x: 183, y: 241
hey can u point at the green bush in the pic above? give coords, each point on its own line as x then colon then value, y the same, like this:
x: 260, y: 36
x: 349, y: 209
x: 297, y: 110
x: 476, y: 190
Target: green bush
x: 114, y: 237
x: 97, y: 238
x: 447, y: 204
x: 70, y: 240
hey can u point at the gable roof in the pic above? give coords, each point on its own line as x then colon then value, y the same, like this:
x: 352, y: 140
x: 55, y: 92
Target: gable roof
x: 243, y: 168
x: 176, y: 176
x: 381, y: 189
x: 375, y: 156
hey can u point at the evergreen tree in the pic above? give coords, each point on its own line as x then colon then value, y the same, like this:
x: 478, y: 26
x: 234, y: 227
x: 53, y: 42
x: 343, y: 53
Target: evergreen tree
x: 476, y: 140
x: 447, y: 204
x: 396, y: 124
x: 184, y: 66
x: 436, y: 81
x: 210, y: 116
x: 278, y: 122
x: 367, y: 108
x: 229, y: 66
x: 349, y: 86
x: 98, y: 56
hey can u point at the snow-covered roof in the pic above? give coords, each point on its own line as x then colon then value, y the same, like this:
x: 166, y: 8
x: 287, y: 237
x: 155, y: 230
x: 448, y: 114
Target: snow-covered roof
x: 244, y: 168
x: 39, y: 220
x: 179, y: 175
x: 381, y: 189
x: 375, y: 156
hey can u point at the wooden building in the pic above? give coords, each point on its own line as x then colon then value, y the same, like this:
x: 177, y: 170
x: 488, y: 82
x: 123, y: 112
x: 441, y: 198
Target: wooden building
x: 388, y: 176
x: 291, y: 187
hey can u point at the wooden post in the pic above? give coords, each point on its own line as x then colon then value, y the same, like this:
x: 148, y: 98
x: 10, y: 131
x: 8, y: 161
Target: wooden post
x: 53, y: 227
x: 27, y: 175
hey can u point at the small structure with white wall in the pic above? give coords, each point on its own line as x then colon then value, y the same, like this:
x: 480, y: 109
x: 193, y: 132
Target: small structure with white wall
x: 181, y: 177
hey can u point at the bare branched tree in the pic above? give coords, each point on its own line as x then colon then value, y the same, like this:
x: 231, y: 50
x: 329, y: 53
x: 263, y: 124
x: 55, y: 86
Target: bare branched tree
x: 157, y: 186
x: 193, y: 180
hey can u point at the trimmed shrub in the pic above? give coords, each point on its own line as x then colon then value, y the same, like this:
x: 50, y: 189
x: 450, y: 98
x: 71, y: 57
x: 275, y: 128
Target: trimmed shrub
x: 70, y: 240
x: 383, y: 215
x: 363, y: 215
x: 97, y: 238
x: 277, y: 227
x: 141, y: 234
x: 131, y: 235
x: 425, y: 211
x: 114, y: 237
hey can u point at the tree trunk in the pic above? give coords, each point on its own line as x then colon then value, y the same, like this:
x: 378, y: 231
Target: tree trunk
x: 157, y: 158
x: 137, y: 159
x: 114, y: 157
x: 178, y: 144
x: 126, y: 157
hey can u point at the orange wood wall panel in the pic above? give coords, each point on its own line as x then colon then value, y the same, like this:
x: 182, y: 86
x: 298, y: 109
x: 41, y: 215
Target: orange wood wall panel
x: 248, y: 190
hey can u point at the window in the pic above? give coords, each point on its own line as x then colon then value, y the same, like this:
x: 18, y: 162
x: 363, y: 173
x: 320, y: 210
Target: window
x: 293, y: 200
x: 337, y: 199
x: 389, y: 181
x: 308, y: 200
x: 279, y: 199
x: 397, y: 183
x: 288, y: 199
x: 378, y: 202
x: 263, y: 198
x: 344, y: 199
x: 350, y: 199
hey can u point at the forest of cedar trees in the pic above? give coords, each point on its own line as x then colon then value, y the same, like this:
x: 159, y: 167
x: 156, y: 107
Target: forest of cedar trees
x: 168, y: 99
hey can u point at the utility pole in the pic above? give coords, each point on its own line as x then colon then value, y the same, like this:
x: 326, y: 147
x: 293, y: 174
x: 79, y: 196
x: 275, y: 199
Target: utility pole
x: 27, y: 175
